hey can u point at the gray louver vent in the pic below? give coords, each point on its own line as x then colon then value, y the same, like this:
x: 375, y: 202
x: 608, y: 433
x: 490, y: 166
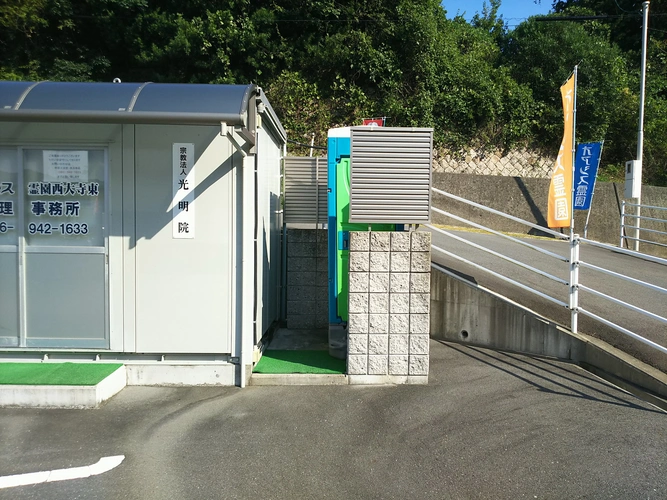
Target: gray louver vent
x: 305, y: 190
x: 390, y: 178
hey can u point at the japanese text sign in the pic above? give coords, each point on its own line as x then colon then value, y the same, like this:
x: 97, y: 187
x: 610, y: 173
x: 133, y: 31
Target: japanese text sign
x: 560, y: 189
x: 586, y: 164
x: 183, y: 203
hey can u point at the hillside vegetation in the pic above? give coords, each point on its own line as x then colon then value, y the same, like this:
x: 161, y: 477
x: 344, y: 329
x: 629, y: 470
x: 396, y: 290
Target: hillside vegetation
x: 326, y: 63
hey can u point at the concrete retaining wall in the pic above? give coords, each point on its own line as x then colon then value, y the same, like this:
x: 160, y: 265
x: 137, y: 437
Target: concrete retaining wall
x: 526, y: 198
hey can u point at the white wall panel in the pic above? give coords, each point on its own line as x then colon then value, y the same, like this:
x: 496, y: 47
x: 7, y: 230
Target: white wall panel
x: 269, y: 228
x: 183, y: 286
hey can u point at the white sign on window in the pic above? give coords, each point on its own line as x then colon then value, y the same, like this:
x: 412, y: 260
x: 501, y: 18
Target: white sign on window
x: 65, y: 166
x: 183, y: 208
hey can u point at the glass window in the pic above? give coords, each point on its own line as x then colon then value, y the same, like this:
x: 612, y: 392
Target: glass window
x: 9, y: 190
x: 9, y: 299
x: 9, y: 288
x: 64, y: 297
x: 63, y: 193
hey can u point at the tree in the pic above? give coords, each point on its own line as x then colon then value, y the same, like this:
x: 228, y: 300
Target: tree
x: 624, y: 29
x: 542, y: 56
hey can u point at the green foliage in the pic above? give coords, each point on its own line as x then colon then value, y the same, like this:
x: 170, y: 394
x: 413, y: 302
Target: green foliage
x: 543, y: 55
x: 327, y: 63
x: 623, y: 29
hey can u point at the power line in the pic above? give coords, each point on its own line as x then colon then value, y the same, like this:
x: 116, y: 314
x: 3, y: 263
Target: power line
x: 621, y: 8
x: 305, y: 145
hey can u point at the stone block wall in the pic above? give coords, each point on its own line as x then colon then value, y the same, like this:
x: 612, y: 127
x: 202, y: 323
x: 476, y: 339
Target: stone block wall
x: 307, y: 292
x: 388, y: 326
x: 514, y: 163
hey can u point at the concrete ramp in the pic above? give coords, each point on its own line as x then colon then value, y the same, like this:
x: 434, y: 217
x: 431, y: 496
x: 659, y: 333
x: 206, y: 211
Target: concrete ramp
x: 465, y: 312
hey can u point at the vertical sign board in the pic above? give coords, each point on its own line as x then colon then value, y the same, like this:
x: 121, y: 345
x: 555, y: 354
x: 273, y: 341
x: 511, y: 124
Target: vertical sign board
x: 560, y: 189
x: 183, y: 204
x: 586, y: 171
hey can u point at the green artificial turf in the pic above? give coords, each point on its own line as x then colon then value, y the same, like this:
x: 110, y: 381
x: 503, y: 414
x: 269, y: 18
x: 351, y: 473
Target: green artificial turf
x: 55, y: 373
x: 282, y: 362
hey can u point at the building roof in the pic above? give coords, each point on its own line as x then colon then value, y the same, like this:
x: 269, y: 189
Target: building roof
x: 162, y: 103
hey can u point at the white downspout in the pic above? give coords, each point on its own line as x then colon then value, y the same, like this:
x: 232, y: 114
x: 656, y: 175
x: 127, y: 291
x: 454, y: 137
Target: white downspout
x: 248, y: 263
x: 247, y: 253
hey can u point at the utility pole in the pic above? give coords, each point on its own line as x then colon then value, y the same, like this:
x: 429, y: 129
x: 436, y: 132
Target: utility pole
x: 640, y: 130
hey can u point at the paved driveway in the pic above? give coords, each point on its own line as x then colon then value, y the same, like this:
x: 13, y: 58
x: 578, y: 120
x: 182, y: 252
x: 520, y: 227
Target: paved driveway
x: 488, y: 425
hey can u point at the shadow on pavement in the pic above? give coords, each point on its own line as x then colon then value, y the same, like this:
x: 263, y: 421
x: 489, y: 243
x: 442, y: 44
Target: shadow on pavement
x: 551, y: 377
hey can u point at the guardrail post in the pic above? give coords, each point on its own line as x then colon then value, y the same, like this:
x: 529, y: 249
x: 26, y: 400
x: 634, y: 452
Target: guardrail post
x: 620, y: 244
x: 574, y: 282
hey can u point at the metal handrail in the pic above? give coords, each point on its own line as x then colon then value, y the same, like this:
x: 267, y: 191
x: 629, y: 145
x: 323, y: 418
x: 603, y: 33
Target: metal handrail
x: 502, y: 214
x: 642, y: 217
x: 623, y: 330
x: 500, y: 276
x: 625, y: 251
x: 623, y: 277
x: 623, y: 303
x: 501, y: 256
x: 636, y: 227
x: 645, y: 241
x: 649, y: 231
x: 628, y: 204
x: 574, y: 263
x: 502, y: 235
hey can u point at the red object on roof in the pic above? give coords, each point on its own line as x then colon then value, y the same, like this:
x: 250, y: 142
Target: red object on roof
x: 374, y: 122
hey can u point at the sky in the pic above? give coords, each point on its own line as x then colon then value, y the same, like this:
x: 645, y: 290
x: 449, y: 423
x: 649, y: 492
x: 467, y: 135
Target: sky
x: 513, y: 11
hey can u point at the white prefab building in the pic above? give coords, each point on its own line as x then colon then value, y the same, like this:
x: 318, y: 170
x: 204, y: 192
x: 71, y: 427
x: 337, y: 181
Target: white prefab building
x: 140, y: 222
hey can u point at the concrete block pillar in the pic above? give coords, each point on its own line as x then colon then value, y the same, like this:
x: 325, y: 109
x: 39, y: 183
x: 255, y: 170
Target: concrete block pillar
x: 307, y: 291
x: 388, y: 327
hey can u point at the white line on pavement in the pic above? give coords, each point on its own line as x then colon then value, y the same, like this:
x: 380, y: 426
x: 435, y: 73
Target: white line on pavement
x: 103, y: 465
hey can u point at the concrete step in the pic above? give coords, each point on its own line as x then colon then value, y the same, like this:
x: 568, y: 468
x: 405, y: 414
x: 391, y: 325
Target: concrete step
x: 63, y: 396
x: 297, y: 379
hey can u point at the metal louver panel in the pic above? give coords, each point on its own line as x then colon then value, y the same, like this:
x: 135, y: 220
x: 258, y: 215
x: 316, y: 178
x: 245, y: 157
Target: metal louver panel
x: 390, y: 175
x: 305, y: 190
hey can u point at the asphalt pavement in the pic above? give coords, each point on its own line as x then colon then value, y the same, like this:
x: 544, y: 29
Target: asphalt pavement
x: 488, y: 425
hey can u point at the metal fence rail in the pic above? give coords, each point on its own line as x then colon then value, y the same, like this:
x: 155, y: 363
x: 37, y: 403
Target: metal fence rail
x: 572, y: 265
x: 637, y: 228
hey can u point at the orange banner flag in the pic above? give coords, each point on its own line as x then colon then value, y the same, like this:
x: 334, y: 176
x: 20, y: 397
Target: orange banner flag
x: 559, y: 210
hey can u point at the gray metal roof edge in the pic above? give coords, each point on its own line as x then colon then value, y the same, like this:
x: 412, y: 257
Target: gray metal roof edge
x: 273, y: 117
x: 245, y: 102
x: 142, y: 117
x: 147, y: 117
x: 366, y: 128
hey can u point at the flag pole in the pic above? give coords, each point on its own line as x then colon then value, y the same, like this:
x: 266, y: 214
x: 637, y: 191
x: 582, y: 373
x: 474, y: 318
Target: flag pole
x: 574, y: 152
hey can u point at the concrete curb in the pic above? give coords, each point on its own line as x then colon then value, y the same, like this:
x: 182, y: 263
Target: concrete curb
x: 265, y: 379
x: 297, y: 379
x: 63, y: 396
x: 181, y: 374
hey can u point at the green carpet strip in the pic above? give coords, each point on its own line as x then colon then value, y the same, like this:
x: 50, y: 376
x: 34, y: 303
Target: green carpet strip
x: 55, y: 373
x: 284, y: 362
